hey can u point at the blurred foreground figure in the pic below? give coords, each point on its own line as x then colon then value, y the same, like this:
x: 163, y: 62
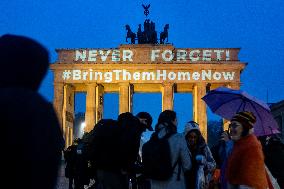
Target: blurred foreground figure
x: 30, y: 133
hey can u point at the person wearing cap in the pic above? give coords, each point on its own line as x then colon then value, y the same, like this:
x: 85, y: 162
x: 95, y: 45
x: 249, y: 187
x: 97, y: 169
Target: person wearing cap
x: 245, y: 165
x: 145, y: 124
x: 146, y: 119
x: 201, y: 157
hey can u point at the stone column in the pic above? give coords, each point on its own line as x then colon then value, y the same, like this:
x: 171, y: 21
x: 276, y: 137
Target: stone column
x: 67, y: 137
x: 125, y: 97
x: 199, y: 107
x: 99, y: 102
x: 90, y: 107
x: 131, y: 92
x: 58, y: 103
x: 68, y: 113
x: 235, y: 86
x: 71, y: 135
x: 167, y: 96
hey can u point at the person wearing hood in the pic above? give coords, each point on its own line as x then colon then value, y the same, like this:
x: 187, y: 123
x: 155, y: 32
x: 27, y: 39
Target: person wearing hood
x: 32, y: 141
x: 203, y: 163
x: 245, y: 166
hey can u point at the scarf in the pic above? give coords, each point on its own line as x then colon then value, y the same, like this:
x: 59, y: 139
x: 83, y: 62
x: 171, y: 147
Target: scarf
x: 246, y: 164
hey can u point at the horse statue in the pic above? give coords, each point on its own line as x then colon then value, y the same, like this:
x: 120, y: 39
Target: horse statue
x: 164, y: 34
x: 130, y: 34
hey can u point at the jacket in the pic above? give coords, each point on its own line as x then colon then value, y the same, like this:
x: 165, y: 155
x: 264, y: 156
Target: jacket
x: 178, y: 149
x: 245, y: 166
x: 31, y: 139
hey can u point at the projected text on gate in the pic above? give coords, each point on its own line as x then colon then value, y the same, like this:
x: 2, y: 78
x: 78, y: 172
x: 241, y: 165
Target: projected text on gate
x: 159, y: 75
x: 152, y: 55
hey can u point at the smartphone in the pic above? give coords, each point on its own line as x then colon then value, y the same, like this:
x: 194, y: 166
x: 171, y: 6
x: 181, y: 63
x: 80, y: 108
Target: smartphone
x: 228, y: 133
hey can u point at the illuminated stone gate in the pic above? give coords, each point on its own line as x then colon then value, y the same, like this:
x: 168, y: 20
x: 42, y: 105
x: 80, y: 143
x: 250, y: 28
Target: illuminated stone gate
x: 140, y: 68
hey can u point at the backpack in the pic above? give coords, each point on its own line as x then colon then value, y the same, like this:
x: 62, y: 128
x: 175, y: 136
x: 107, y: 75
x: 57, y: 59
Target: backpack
x: 112, y: 145
x: 156, y: 158
x: 103, y: 144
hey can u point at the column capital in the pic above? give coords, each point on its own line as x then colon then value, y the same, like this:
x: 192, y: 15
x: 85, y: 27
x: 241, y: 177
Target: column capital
x: 235, y: 85
x: 58, y: 84
x: 167, y: 84
x: 69, y: 85
x: 124, y: 84
x: 200, y: 84
x: 91, y: 84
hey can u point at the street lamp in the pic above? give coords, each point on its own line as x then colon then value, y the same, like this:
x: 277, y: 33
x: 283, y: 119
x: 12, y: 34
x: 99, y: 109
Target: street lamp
x: 82, y: 128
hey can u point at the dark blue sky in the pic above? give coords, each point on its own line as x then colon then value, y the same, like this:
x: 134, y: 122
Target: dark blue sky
x: 256, y: 26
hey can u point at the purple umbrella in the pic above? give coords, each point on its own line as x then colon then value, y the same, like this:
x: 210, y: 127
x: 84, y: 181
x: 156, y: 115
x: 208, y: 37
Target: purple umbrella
x: 227, y: 102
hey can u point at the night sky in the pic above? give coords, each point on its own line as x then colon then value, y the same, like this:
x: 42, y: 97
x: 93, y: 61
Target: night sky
x: 255, y: 26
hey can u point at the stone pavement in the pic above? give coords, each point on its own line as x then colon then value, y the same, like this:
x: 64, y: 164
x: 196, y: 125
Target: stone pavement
x: 62, y: 181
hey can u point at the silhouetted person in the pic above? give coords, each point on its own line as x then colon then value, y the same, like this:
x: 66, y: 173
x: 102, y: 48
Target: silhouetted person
x: 117, y: 145
x: 76, y: 164
x: 31, y: 140
x: 273, y: 149
x: 70, y: 160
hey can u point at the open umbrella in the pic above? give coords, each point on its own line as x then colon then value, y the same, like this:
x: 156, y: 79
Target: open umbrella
x: 227, y: 102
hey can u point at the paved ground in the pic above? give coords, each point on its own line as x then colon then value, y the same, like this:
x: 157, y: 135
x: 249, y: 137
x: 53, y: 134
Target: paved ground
x: 62, y: 181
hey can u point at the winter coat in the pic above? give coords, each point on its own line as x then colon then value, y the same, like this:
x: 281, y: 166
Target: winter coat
x: 207, y: 162
x: 31, y: 139
x: 245, y: 166
x: 178, y: 149
x: 274, y: 155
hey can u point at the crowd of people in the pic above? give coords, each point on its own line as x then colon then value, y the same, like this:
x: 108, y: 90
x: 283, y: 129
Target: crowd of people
x: 178, y: 160
x: 111, y: 154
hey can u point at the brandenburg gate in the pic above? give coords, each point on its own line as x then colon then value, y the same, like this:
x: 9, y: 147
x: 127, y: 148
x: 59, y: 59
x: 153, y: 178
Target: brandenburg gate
x: 134, y: 68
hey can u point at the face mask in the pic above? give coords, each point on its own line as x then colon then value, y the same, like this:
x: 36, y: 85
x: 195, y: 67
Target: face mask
x: 192, y: 142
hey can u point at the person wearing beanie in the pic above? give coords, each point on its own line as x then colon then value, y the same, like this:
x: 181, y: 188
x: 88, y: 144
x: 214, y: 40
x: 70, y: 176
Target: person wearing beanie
x: 245, y: 165
x: 203, y: 162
